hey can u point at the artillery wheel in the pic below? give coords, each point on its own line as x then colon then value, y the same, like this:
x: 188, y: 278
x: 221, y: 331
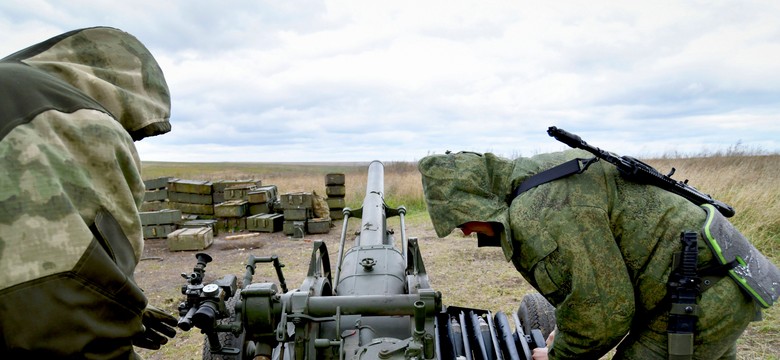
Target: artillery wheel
x: 228, y: 339
x: 535, y: 312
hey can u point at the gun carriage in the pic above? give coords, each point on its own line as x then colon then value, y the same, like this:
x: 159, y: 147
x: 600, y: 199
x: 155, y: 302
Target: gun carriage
x: 379, y: 304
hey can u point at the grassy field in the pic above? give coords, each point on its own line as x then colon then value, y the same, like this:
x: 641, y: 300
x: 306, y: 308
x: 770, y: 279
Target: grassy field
x: 472, y: 277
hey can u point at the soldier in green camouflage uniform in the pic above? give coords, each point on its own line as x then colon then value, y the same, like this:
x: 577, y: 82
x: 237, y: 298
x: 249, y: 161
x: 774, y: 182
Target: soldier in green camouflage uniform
x: 598, y: 247
x: 70, y: 188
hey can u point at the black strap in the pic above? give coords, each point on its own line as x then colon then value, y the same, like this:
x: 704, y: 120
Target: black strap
x: 575, y: 166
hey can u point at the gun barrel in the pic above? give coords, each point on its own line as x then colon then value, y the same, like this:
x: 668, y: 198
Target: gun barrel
x: 374, y: 220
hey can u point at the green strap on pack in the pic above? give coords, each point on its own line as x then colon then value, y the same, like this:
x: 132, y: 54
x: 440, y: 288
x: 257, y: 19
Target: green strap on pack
x: 752, y: 271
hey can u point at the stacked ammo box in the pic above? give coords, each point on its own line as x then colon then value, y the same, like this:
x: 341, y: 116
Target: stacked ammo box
x: 297, y: 207
x: 232, y: 213
x: 158, y: 224
x: 262, y: 216
x: 262, y: 199
x: 335, y: 188
x: 299, y: 215
x: 191, y: 196
x: 156, y: 195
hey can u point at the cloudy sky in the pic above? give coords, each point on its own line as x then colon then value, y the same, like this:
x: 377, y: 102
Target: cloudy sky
x: 397, y: 80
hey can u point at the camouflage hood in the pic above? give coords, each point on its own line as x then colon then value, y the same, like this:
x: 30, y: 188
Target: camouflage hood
x: 113, y: 68
x: 465, y: 186
x: 462, y: 187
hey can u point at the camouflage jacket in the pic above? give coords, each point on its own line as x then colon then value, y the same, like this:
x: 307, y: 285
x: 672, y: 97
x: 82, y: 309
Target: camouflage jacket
x: 598, y: 247
x: 70, y: 233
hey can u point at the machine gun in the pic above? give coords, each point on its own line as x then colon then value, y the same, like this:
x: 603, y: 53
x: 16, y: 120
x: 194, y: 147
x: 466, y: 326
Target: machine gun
x: 638, y: 171
x: 379, y: 305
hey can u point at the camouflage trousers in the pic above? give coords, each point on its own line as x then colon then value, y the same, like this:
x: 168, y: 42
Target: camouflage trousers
x: 725, y: 312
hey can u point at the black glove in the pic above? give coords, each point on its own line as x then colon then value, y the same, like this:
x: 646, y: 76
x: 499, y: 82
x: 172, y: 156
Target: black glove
x: 155, y: 321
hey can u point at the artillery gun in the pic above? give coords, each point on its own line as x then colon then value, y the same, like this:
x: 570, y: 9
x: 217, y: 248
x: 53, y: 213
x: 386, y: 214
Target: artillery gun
x: 379, y: 304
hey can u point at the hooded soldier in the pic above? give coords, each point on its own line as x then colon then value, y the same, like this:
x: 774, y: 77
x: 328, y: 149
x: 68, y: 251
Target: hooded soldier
x: 599, y: 248
x: 70, y: 190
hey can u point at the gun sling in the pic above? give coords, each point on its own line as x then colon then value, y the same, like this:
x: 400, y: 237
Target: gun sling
x: 571, y: 167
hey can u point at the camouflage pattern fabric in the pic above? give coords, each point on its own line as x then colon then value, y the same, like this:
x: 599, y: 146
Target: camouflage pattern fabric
x: 72, y: 107
x: 112, y: 67
x: 599, y: 248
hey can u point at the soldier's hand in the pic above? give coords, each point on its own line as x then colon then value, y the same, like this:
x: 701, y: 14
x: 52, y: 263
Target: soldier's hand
x: 539, y: 354
x: 156, y: 322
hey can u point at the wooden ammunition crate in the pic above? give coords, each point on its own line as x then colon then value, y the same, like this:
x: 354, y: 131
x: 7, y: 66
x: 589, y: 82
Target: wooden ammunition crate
x: 156, y: 195
x: 238, y: 192
x: 297, y: 200
x: 231, y: 225
x: 318, y: 226
x: 158, y: 183
x: 296, y: 229
x: 160, y: 217
x: 190, y: 186
x: 262, y: 194
x: 335, y: 190
x: 297, y: 214
x: 180, y: 197
x: 264, y: 208
x: 211, y: 223
x: 221, y: 185
x: 336, y: 214
x: 335, y: 202
x: 187, y: 208
x: 149, y: 206
x: 158, y: 231
x: 334, y: 179
x: 265, y: 222
x: 190, y: 239
x: 231, y: 208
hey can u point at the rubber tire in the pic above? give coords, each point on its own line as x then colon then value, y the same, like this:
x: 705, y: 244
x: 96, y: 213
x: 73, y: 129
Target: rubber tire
x: 535, y: 312
x: 228, y: 339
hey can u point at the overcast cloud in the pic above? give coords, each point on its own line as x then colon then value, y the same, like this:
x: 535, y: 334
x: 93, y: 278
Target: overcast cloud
x: 397, y: 80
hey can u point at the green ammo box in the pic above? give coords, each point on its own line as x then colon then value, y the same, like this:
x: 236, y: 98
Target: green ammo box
x: 262, y: 194
x: 296, y: 229
x: 231, y: 209
x: 211, y: 223
x: 336, y: 214
x: 158, y: 231
x: 318, y: 226
x: 189, y: 198
x: 335, y: 190
x: 232, y: 224
x: 158, y: 183
x: 190, y: 239
x: 297, y: 214
x: 238, y: 192
x: 160, y: 217
x: 148, y: 206
x: 265, y: 222
x: 187, y: 208
x: 221, y: 185
x: 335, y: 202
x: 190, y: 186
x: 264, y: 208
x: 297, y: 200
x: 156, y: 195
x: 334, y: 179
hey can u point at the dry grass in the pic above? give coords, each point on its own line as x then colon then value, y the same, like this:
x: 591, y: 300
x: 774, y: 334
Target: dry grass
x: 480, y: 278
